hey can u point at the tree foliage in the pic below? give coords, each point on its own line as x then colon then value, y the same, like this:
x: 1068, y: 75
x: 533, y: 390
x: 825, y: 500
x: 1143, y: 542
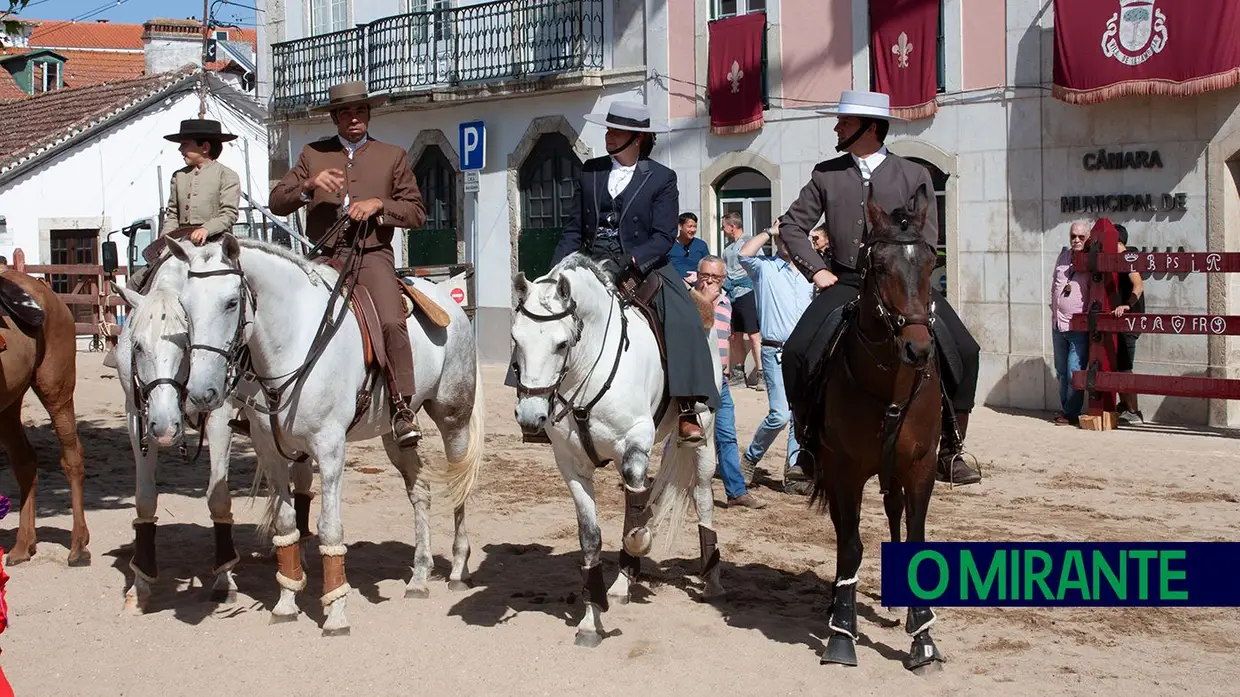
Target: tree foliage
x: 11, y: 25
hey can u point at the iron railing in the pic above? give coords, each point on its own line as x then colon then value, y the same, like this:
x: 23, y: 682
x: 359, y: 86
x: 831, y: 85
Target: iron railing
x: 454, y: 46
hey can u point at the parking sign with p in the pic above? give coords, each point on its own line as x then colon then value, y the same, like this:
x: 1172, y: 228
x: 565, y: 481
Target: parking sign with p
x: 473, y: 146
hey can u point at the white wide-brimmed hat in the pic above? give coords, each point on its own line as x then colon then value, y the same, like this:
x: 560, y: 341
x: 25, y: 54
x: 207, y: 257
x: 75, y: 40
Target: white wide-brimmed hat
x: 875, y: 105
x: 627, y: 116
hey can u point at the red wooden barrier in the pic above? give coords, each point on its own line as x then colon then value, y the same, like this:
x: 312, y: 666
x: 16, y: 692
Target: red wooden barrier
x: 1104, y: 262
x: 102, y: 301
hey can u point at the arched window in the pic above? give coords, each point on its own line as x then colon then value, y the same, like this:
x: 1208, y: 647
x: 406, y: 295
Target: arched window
x: 546, y: 183
x: 747, y: 192
x: 435, y: 242
x: 939, y: 178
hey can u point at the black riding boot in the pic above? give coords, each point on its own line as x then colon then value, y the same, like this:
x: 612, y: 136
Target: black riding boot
x: 952, y: 467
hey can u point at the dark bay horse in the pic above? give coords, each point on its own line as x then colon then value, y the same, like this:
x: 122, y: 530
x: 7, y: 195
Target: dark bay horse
x: 881, y: 415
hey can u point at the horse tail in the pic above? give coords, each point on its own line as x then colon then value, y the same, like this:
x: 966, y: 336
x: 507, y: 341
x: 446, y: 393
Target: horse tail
x: 461, y: 475
x: 672, y: 490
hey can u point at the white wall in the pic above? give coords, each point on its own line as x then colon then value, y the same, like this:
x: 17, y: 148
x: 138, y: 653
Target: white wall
x: 115, y: 176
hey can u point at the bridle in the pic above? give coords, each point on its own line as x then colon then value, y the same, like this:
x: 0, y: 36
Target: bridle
x: 238, y: 363
x: 893, y: 323
x: 141, y: 396
x: 581, y: 414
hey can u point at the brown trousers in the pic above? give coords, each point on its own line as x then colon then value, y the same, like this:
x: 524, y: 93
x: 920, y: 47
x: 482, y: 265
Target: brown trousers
x: 377, y: 273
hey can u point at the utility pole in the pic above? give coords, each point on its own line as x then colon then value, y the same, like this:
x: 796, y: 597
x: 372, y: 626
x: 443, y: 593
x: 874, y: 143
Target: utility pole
x: 202, y: 85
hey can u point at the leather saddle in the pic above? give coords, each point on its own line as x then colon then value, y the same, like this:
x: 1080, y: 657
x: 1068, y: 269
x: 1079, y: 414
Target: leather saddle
x: 20, y: 305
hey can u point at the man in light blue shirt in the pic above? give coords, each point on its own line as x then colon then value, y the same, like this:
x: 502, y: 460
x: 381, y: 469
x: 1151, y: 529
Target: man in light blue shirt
x: 739, y: 288
x: 781, y: 293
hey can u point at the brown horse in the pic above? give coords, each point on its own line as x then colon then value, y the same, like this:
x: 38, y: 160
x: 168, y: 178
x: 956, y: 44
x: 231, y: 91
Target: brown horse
x: 882, y: 415
x: 38, y: 349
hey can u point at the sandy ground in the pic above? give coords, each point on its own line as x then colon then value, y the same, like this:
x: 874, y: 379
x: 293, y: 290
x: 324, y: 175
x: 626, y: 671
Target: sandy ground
x: 512, y: 633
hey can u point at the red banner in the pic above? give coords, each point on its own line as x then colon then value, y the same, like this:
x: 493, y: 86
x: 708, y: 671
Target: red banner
x: 1114, y: 48
x: 904, y: 54
x: 734, y: 78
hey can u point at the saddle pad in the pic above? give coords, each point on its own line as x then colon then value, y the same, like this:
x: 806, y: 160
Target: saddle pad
x: 19, y: 304
x: 430, y: 309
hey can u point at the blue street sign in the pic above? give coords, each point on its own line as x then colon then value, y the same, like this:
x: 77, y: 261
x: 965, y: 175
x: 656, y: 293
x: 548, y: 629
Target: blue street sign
x: 473, y: 146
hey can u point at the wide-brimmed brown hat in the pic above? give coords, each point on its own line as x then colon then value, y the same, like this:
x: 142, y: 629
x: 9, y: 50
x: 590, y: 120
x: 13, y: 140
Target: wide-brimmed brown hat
x: 200, y: 129
x: 348, y: 93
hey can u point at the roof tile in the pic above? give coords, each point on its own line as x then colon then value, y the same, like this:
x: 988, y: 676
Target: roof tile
x: 37, y: 122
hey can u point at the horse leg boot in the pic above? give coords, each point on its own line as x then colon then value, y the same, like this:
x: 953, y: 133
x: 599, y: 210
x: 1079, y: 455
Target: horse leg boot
x: 590, y: 629
x: 335, y: 590
x: 290, y: 576
x: 708, y: 543
x: 637, y: 537
x: 142, y: 564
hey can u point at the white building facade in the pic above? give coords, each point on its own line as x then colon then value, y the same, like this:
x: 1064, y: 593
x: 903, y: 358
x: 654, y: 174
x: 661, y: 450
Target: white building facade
x: 1013, y: 165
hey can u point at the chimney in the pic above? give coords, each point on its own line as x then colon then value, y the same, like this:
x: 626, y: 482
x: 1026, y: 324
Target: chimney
x: 171, y: 43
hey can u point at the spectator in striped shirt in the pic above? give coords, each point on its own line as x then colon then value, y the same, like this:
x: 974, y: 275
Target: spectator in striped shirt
x: 710, y: 275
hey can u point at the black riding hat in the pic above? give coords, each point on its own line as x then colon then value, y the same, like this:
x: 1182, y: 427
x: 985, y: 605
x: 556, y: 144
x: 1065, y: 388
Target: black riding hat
x: 200, y: 129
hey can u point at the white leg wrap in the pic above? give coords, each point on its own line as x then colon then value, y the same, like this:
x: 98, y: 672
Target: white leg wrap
x: 333, y: 550
x: 286, y: 540
x: 140, y: 520
x: 334, y: 595
x: 847, y: 633
x: 847, y: 582
x: 138, y: 573
x: 635, y: 491
x: 289, y: 584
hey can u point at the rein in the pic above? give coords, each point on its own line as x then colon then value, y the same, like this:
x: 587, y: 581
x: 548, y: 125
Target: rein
x: 581, y: 415
x: 237, y: 355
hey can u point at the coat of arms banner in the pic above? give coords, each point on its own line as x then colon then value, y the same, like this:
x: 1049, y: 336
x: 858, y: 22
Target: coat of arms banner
x: 904, y: 54
x: 734, y: 78
x: 1115, y: 48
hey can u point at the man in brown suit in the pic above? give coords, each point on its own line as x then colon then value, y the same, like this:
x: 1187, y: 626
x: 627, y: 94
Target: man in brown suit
x: 353, y: 174
x: 838, y: 189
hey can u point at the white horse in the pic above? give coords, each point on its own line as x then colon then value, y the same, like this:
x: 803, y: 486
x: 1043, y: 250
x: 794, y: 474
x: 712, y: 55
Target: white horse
x: 283, y: 297
x: 152, y: 369
x: 577, y: 348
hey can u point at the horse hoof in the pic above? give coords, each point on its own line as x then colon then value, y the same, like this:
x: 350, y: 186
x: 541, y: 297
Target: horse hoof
x: 133, y: 607
x: 223, y: 596
x: 638, y: 542
x: 923, y: 656
x: 14, y: 559
x: 457, y: 586
x: 79, y: 560
x: 927, y: 669
x: 339, y: 631
x: 418, y: 593
x: 589, y: 640
x: 282, y: 619
x: 840, y: 650
x: 618, y: 599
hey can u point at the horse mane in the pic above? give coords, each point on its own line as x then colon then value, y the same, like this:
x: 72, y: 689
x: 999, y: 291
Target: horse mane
x: 577, y: 260
x: 160, y: 314
x: 314, y: 270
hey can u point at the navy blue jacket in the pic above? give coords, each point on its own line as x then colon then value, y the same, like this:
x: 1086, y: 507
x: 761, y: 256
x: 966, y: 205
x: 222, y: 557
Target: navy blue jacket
x: 648, y: 210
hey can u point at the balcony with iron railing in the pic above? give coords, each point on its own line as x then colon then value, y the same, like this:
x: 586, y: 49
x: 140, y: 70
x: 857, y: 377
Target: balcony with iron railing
x: 451, y: 47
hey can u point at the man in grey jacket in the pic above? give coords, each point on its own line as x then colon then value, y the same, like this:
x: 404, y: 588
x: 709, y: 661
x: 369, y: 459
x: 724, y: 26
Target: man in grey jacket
x: 838, y: 189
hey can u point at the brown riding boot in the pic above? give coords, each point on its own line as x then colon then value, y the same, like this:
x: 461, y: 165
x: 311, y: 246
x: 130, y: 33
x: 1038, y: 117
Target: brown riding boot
x: 690, y: 429
x: 952, y: 467
x: 405, y: 423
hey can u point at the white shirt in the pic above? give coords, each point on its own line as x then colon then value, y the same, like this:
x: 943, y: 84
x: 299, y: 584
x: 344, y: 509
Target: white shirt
x: 619, y: 177
x: 350, y: 148
x: 870, y: 162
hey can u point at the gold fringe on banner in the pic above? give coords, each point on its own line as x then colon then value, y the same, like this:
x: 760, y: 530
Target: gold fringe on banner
x: 1143, y: 88
x: 913, y: 113
x: 755, y: 125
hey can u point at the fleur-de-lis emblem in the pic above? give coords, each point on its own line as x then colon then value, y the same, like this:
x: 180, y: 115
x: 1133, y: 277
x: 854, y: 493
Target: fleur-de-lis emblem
x: 735, y: 77
x: 902, y: 48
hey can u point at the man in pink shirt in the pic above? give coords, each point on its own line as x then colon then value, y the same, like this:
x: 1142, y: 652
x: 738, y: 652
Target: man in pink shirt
x: 1068, y: 297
